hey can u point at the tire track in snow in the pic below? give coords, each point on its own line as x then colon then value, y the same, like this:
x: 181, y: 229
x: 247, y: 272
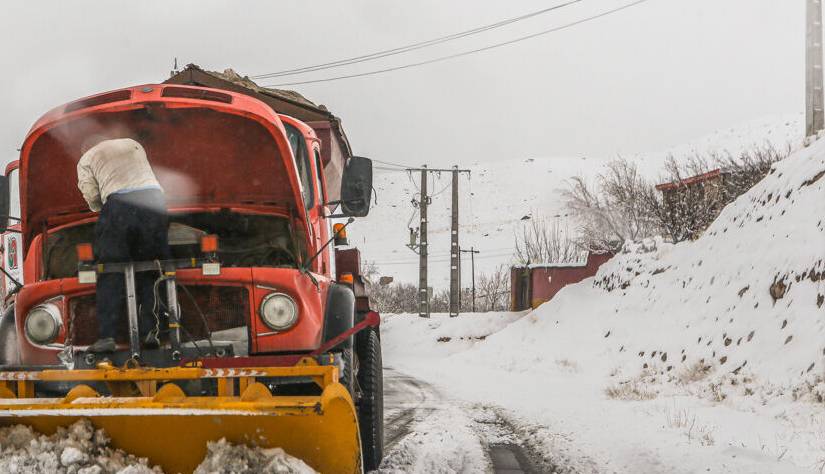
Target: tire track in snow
x: 404, y: 402
x: 425, y: 432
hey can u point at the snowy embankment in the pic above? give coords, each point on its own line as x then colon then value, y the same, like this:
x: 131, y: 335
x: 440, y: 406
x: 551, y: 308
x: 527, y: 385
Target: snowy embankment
x: 703, y: 356
x: 80, y: 449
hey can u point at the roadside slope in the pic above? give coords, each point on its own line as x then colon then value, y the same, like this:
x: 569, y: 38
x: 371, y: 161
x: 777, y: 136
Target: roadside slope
x: 702, y: 355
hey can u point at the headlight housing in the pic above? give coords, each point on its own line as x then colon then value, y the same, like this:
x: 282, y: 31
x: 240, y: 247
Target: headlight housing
x: 43, y: 323
x: 279, y: 311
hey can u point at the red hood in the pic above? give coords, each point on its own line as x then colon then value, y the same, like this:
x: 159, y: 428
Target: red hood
x: 207, y: 147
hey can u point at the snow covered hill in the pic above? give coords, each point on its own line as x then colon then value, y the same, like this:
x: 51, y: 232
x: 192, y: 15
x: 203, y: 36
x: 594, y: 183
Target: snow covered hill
x: 499, y: 195
x: 706, y: 355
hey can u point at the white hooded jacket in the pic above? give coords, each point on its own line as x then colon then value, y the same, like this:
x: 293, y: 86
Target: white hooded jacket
x: 113, y: 167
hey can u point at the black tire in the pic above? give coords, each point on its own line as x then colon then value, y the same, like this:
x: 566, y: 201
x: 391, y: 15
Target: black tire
x: 371, y: 402
x: 9, y: 352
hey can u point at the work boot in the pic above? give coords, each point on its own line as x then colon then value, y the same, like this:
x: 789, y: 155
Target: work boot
x: 151, y: 341
x: 106, y: 344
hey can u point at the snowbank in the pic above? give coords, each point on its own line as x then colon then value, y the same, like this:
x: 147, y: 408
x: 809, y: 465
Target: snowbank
x: 679, y: 358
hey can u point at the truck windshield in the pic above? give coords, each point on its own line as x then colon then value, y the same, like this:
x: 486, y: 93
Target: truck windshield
x: 299, y: 151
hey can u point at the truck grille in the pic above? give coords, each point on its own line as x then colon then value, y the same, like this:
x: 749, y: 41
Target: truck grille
x: 223, y: 307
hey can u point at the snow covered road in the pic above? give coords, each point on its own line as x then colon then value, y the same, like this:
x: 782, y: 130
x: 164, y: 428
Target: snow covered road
x: 428, y: 432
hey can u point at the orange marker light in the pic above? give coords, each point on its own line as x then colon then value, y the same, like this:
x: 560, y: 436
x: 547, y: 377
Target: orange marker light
x: 346, y: 278
x: 209, y: 243
x: 85, y: 253
x: 339, y: 230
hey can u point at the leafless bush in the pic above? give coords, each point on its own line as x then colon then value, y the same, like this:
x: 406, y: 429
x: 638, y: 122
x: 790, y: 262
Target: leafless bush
x: 544, y: 242
x: 686, y: 422
x: 391, y: 298
x: 685, y: 212
x: 630, y: 390
x: 749, y: 167
x: 612, y: 211
x: 493, y: 290
x: 492, y: 293
x: 694, y: 373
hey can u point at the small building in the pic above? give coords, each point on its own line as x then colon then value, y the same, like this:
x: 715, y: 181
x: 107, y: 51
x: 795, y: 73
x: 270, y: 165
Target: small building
x: 706, y: 191
x: 534, y: 284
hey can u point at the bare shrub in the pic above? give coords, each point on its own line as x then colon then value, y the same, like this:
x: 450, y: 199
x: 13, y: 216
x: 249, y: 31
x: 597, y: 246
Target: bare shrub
x: 689, y: 209
x: 630, y: 390
x: 492, y: 293
x: 614, y: 210
x: 493, y: 290
x: 686, y: 422
x: 694, y: 373
x: 545, y: 242
x: 392, y: 298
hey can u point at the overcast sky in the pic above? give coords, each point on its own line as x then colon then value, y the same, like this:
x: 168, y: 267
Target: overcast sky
x: 653, y: 76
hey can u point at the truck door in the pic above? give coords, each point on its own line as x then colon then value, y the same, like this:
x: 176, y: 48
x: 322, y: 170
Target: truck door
x: 11, y: 258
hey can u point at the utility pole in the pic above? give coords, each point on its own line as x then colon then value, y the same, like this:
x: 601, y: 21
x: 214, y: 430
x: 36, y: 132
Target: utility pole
x: 455, y: 289
x: 815, y: 112
x: 423, y: 291
x: 473, y: 253
x: 423, y: 250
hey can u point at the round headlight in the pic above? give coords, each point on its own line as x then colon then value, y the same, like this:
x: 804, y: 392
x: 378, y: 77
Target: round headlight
x: 278, y: 311
x: 43, y: 324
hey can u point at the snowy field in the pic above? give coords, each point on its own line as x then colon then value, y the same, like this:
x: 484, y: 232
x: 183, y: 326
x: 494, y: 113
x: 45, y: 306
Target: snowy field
x: 706, y: 356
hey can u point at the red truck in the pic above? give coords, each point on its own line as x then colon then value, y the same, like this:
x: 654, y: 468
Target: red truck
x: 268, y: 333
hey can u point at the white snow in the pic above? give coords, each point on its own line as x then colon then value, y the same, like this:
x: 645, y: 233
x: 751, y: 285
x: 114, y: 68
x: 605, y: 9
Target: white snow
x: 443, y: 444
x: 673, y: 358
x: 80, y: 449
x: 225, y: 458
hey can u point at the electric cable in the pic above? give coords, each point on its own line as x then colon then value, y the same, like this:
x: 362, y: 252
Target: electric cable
x: 410, y: 47
x: 203, y: 317
x: 463, y: 53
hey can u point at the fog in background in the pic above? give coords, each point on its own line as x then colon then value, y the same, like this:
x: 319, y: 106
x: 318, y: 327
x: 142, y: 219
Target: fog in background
x: 646, y: 78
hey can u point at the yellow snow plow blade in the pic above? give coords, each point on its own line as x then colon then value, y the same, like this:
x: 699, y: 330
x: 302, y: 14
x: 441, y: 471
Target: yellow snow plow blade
x: 149, y: 417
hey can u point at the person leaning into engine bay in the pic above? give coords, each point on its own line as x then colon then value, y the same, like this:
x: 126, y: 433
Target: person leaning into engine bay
x: 116, y: 180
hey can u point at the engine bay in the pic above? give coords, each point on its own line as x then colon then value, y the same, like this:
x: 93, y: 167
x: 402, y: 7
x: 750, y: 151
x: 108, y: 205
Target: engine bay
x: 245, y: 240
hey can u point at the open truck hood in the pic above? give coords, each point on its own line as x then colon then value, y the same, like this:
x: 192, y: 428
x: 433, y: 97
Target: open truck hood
x: 207, y: 148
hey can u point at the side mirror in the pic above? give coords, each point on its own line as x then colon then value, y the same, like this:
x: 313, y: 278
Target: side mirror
x: 356, y: 187
x: 4, y: 203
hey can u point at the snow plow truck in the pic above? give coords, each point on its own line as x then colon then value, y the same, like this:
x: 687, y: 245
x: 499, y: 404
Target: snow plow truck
x: 268, y: 338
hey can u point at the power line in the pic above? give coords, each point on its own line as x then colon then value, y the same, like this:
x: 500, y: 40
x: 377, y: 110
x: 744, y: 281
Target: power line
x: 387, y: 168
x: 464, y: 53
x: 389, y: 163
x: 410, y: 47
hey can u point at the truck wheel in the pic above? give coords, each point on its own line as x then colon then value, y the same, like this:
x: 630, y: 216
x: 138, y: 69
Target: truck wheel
x: 371, y: 402
x: 9, y: 354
